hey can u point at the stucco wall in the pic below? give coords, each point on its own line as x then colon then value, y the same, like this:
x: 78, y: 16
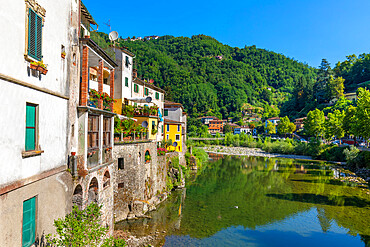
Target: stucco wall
x: 52, y: 125
x: 55, y: 34
x: 53, y: 201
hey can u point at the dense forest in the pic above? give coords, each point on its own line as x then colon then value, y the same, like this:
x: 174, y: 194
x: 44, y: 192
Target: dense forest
x: 210, y: 78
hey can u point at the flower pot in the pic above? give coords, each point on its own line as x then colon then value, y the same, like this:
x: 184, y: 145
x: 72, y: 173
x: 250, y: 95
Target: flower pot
x: 33, y: 66
x: 63, y: 56
x: 73, y: 153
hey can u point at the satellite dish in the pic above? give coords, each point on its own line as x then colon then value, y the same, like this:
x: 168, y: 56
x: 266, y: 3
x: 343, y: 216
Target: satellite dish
x: 148, y: 99
x: 113, y: 36
x: 144, y: 124
x: 174, y: 144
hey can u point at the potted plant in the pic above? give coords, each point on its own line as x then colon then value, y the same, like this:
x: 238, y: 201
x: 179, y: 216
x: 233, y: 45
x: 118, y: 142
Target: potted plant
x: 40, y: 66
x: 147, y: 158
x: 63, y: 54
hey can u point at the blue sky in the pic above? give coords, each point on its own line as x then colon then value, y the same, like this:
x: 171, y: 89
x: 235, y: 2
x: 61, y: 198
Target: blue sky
x: 306, y: 30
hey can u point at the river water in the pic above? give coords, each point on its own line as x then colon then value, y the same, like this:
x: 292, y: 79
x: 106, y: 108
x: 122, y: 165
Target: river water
x: 256, y: 201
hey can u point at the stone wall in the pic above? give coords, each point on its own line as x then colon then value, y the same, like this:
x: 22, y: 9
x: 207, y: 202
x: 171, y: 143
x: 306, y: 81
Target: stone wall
x: 138, y: 183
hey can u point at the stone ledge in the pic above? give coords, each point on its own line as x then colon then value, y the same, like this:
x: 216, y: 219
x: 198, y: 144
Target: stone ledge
x: 26, y: 154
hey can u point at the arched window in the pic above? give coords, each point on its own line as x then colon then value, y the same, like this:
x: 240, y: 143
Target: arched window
x: 93, y: 191
x: 148, y: 158
x: 77, y: 196
x: 106, y: 179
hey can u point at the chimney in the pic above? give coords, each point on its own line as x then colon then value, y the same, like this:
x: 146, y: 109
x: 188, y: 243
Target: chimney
x: 134, y: 73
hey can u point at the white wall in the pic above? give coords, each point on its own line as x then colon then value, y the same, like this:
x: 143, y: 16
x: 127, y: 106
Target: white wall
x: 123, y: 72
x: 52, y: 109
x: 52, y: 132
x: 55, y: 34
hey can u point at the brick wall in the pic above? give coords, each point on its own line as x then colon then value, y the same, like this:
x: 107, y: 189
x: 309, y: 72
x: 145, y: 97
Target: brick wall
x: 85, y: 76
x: 100, y: 82
x: 111, y: 87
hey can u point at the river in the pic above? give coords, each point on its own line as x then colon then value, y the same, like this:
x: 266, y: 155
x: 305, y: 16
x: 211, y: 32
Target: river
x: 260, y: 201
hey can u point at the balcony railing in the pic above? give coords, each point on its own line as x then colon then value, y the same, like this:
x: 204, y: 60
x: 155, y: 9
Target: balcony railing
x: 139, y: 111
x: 94, y: 96
x: 131, y: 137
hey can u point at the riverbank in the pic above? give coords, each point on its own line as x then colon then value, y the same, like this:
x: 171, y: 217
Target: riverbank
x: 250, y: 152
x: 364, y: 173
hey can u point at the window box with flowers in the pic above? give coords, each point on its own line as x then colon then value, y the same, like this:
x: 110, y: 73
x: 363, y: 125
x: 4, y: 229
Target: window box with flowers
x: 39, y: 66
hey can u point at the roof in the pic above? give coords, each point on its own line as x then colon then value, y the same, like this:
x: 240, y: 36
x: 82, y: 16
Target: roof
x: 173, y: 104
x: 124, y: 50
x: 87, y: 15
x: 169, y: 121
x: 99, y: 50
x: 273, y: 118
x: 232, y: 124
x: 213, y: 128
x: 146, y: 84
x: 209, y: 117
x: 217, y: 120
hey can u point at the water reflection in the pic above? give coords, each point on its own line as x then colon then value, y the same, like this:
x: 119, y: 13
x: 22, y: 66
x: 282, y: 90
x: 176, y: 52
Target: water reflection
x: 264, y: 202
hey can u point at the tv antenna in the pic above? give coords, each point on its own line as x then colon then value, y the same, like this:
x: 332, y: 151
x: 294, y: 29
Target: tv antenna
x: 108, y: 24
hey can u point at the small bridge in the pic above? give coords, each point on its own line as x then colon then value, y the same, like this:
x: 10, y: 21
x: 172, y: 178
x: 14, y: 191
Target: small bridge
x: 205, y: 139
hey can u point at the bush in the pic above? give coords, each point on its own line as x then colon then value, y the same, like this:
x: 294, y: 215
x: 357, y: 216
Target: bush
x: 363, y: 159
x: 351, y: 155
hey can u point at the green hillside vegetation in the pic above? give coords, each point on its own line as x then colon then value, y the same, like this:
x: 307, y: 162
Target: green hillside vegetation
x: 187, y: 68
x: 190, y: 72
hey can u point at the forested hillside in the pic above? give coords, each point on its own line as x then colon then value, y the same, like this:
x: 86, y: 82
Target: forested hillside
x: 192, y: 74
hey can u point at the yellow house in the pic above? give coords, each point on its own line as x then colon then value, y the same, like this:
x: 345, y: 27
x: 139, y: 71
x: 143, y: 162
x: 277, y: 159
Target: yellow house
x: 152, y: 125
x: 173, y: 131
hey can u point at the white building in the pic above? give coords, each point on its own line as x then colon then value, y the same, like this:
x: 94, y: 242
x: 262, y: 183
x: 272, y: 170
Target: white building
x: 34, y: 184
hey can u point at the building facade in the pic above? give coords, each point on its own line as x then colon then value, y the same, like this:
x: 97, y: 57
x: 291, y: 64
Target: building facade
x: 35, y: 188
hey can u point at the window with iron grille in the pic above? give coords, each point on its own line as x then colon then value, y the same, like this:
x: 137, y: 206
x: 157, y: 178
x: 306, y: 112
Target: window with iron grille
x: 93, y: 132
x: 35, y: 24
x: 106, y: 132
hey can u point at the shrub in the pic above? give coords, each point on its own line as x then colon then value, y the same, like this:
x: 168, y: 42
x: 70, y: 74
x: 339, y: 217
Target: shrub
x: 351, y: 154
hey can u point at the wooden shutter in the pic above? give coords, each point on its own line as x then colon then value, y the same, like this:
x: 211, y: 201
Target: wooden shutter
x: 34, y: 35
x: 29, y: 222
x: 30, y: 143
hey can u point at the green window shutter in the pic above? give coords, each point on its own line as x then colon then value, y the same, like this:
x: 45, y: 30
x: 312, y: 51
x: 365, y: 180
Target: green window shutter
x: 165, y: 112
x: 136, y: 88
x: 39, y: 38
x: 162, y: 129
x: 30, y: 127
x: 34, y: 35
x: 146, y: 91
x: 29, y: 222
x: 126, y: 81
x: 157, y: 95
x: 31, y: 33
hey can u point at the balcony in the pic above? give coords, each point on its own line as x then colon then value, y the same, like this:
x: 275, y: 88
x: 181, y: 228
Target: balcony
x: 139, y: 111
x: 94, y: 97
x: 127, y: 131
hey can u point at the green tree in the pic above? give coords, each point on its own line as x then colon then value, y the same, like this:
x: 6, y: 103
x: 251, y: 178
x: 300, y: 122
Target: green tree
x: 227, y: 128
x: 82, y: 228
x: 285, y: 126
x: 363, y: 113
x: 335, y: 87
x: 334, y: 125
x: 314, y: 124
x: 350, y: 123
x: 270, y: 128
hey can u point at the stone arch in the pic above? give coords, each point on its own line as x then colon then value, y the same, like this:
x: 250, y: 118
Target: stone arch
x: 93, y: 193
x: 78, y: 196
x: 106, y: 179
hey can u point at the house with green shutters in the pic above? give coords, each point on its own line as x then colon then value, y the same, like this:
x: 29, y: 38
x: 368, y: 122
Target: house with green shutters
x: 35, y: 187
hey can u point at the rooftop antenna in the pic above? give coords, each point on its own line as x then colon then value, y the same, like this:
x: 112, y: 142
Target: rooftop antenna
x: 108, y: 24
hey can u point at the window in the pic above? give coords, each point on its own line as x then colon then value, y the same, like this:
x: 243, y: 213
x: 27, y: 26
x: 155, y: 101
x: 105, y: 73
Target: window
x: 35, y: 23
x: 29, y: 222
x: 153, y: 125
x: 177, y: 137
x: 127, y: 62
x: 136, y: 88
x: 165, y: 112
x: 31, y: 127
x: 106, y: 131
x: 121, y: 163
x: 168, y: 128
x: 178, y: 128
x: 167, y: 137
x: 93, y: 132
x: 126, y: 81
x: 146, y: 91
x: 156, y: 95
